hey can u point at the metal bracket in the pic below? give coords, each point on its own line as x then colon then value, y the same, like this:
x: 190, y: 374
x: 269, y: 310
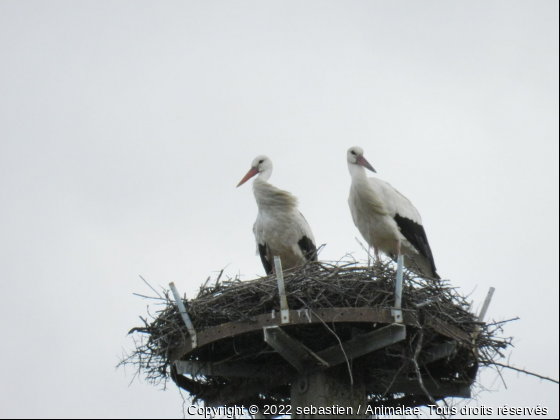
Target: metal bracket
x: 303, y: 384
x: 486, y: 304
x: 397, y: 311
x: 184, y: 314
x: 398, y: 315
x: 483, y: 311
x: 284, y: 309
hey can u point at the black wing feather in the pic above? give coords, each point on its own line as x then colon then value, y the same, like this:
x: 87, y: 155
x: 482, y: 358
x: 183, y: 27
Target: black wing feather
x: 416, y: 235
x: 308, y: 248
x: 266, y: 264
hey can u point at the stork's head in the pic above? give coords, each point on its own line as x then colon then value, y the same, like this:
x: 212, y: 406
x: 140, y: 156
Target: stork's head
x: 261, y: 165
x: 355, y: 156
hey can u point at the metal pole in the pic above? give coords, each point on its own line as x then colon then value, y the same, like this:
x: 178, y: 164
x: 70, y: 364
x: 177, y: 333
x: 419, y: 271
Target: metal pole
x: 399, y: 284
x: 483, y: 311
x: 397, y: 311
x: 284, y: 309
x: 184, y: 313
x: 486, y: 304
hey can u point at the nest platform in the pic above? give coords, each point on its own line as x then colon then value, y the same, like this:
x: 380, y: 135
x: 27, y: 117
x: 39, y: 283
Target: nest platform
x: 341, y: 319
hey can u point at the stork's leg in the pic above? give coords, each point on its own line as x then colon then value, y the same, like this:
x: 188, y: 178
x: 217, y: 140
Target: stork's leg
x: 376, y: 252
x: 398, y: 247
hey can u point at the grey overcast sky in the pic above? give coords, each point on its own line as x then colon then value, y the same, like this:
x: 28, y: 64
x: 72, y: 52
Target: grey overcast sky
x: 126, y: 125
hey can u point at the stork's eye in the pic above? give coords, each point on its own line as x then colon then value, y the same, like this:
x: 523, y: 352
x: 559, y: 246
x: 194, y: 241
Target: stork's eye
x: 354, y: 153
x: 261, y: 161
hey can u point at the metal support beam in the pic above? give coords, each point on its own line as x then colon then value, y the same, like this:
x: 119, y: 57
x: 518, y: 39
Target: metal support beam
x: 284, y: 309
x: 298, y: 355
x: 313, y: 371
x: 364, y: 344
x: 304, y: 360
x: 184, y: 314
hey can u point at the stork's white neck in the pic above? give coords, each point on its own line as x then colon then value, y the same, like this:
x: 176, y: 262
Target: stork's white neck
x: 264, y: 175
x: 357, y: 172
x: 270, y: 197
x: 364, y: 195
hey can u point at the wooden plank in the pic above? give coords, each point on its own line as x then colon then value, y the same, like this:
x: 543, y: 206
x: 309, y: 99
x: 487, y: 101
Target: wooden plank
x: 233, y: 394
x: 438, y: 352
x: 448, y: 330
x: 228, y: 370
x: 412, y: 387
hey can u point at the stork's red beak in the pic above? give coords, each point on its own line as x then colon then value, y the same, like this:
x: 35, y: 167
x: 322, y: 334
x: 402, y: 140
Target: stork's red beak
x: 252, y: 172
x: 363, y: 162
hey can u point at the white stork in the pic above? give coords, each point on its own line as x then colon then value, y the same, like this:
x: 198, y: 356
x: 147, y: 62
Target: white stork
x: 280, y: 229
x: 387, y: 219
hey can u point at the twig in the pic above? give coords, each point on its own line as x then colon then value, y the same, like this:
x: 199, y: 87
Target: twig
x: 150, y: 286
x: 536, y: 375
x: 417, y: 368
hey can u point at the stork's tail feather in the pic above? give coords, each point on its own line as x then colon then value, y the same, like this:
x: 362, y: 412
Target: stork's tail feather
x: 308, y: 248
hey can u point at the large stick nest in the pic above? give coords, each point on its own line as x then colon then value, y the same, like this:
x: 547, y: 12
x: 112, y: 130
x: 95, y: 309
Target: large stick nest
x: 316, y: 286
